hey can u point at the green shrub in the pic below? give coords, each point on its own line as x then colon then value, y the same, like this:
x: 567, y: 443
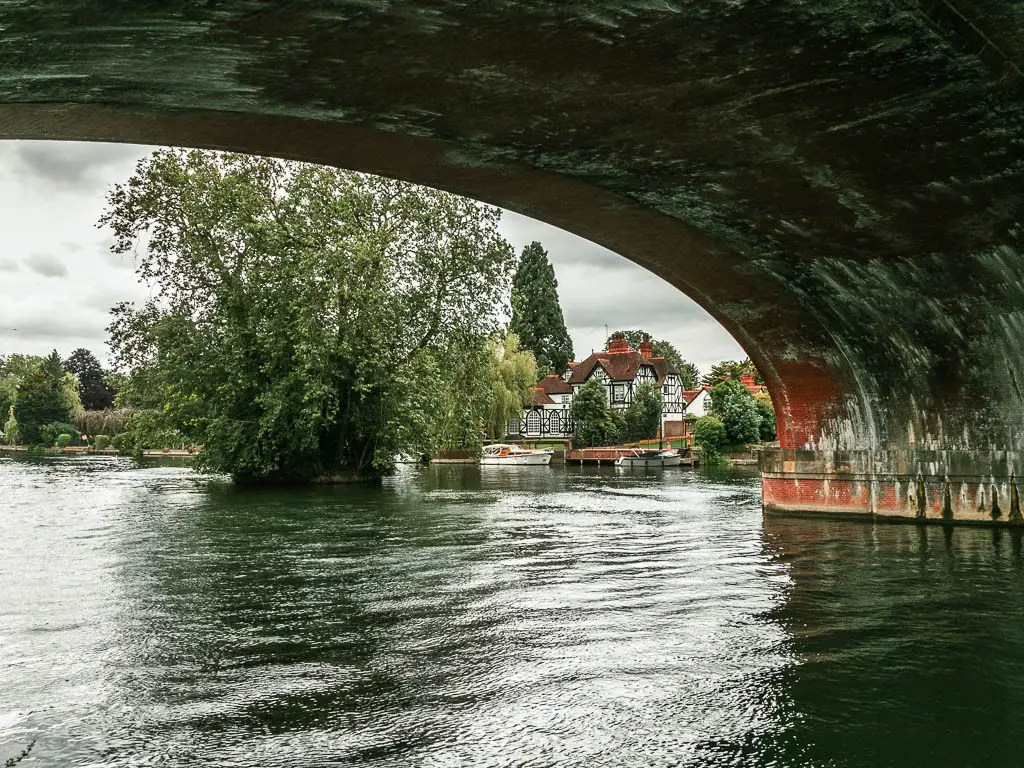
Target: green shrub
x: 732, y: 402
x: 48, y: 433
x: 63, y: 440
x: 100, y: 442
x: 709, y: 437
x: 148, y: 429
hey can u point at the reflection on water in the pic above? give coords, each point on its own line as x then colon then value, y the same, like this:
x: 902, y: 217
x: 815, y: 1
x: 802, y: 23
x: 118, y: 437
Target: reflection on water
x: 467, y: 616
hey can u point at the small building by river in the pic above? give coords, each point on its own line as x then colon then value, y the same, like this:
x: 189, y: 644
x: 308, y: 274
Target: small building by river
x: 622, y: 370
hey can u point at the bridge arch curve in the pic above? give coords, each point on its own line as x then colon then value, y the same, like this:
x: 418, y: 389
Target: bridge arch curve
x: 841, y: 187
x: 678, y: 253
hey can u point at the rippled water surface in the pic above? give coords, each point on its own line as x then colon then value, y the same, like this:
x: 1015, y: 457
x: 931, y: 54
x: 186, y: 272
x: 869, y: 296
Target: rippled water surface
x: 459, y: 616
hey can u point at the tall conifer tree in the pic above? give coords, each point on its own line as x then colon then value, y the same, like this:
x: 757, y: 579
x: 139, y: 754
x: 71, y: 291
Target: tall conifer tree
x: 536, y: 314
x: 92, y: 388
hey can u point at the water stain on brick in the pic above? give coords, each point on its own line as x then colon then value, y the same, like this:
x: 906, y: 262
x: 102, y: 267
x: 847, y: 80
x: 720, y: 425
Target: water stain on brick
x: 1015, y: 515
x: 922, y: 499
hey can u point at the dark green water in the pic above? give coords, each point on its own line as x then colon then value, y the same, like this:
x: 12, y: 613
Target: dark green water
x: 531, y: 617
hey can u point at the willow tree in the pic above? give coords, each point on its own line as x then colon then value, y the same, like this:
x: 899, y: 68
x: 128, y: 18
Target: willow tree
x: 489, y: 387
x: 513, y: 372
x: 302, y: 317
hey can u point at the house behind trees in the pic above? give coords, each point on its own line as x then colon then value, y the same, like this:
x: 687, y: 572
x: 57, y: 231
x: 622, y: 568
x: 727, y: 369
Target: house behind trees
x: 622, y: 370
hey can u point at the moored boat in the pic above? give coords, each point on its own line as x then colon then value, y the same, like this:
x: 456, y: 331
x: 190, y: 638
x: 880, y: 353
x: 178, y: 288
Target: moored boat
x: 506, y: 454
x: 649, y: 458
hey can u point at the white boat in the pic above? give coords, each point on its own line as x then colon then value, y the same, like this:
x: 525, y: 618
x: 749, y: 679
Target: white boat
x: 649, y: 458
x: 503, y: 454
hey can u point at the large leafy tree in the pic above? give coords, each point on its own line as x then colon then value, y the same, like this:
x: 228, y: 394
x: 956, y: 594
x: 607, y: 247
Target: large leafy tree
x: 708, y: 438
x: 304, y: 320
x: 13, y: 370
x: 592, y: 417
x: 42, y: 399
x: 689, y: 374
x: 92, y: 387
x: 536, y: 313
x: 766, y: 410
x: 732, y: 402
x: 643, y: 417
x: 731, y: 369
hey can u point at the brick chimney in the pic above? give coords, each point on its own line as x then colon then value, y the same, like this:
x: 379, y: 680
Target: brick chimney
x: 747, y: 380
x: 618, y: 343
x: 646, y: 347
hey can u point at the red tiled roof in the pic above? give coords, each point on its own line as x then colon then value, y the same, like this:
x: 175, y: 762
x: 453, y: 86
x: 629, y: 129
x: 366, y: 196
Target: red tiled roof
x: 540, y: 397
x: 690, y: 394
x: 553, y: 384
x: 621, y: 366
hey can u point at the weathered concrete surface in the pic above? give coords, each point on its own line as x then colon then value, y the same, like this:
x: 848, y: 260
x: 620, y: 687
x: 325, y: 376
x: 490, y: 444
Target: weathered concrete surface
x: 840, y: 183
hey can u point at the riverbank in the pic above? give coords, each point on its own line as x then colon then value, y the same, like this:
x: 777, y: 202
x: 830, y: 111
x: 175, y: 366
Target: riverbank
x: 87, y: 450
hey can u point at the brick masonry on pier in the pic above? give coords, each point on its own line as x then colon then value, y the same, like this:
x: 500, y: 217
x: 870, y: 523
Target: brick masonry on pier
x: 922, y: 486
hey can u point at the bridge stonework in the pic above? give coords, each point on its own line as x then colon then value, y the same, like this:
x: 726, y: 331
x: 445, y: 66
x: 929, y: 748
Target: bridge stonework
x: 938, y: 486
x: 841, y: 185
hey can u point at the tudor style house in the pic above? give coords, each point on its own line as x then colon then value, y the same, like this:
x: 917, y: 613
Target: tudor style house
x: 621, y: 370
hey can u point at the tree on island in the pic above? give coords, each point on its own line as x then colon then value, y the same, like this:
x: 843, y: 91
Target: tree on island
x: 92, y: 387
x: 730, y: 369
x: 689, y: 374
x: 305, y: 321
x: 536, y: 313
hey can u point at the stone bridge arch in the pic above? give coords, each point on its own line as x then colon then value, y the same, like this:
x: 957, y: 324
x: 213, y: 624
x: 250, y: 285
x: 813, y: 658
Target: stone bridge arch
x: 840, y: 186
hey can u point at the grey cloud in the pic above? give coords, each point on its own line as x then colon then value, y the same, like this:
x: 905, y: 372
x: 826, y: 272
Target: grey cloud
x: 102, y: 300
x: 58, y: 327
x: 591, y: 257
x: 66, y: 164
x: 637, y: 311
x: 71, y: 247
x: 564, y: 248
x: 118, y: 260
x: 9, y: 265
x: 46, y: 265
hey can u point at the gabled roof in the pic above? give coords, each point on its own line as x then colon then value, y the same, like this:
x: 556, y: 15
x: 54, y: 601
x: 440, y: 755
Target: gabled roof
x: 621, y: 366
x: 553, y: 384
x: 540, y: 397
x: 689, y: 395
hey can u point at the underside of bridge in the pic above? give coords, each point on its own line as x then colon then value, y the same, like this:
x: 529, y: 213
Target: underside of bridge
x: 841, y: 184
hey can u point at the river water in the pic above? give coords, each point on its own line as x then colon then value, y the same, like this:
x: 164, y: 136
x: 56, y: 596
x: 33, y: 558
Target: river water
x: 492, y: 617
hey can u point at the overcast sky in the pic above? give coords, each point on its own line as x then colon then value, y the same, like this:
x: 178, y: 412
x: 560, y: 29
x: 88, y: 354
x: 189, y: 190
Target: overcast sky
x: 58, y: 278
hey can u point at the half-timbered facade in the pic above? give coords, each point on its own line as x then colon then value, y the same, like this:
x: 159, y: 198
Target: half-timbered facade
x: 622, y: 370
